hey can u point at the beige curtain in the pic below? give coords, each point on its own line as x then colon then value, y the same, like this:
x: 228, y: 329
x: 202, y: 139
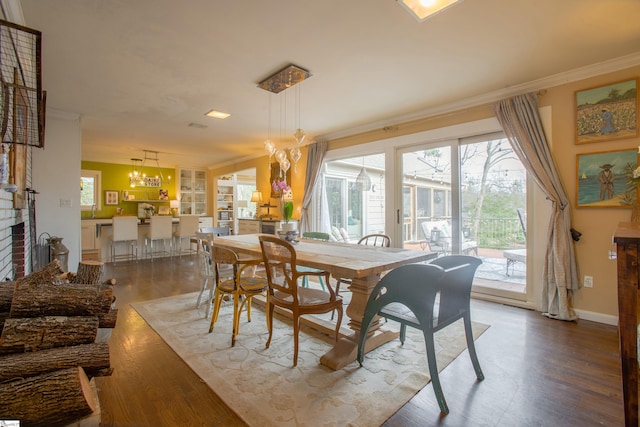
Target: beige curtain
x: 315, y: 158
x: 520, y: 120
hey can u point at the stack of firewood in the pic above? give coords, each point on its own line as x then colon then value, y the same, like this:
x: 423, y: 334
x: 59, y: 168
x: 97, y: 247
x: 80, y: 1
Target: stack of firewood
x: 49, y: 322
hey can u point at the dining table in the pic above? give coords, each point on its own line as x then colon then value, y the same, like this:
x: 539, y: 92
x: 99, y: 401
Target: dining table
x: 360, y: 263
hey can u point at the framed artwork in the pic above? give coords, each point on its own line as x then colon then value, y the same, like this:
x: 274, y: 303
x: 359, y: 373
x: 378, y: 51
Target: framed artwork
x: 276, y: 174
x: 111, y: 198
x: 604, y: 179
x: 607, y: 112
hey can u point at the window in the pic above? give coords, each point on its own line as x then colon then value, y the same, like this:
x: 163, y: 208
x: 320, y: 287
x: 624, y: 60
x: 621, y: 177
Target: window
x: 90, y: 190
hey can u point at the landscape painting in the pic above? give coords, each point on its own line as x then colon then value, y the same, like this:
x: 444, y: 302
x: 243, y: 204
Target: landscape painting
x: 604, y: 179
x: 607, y: 112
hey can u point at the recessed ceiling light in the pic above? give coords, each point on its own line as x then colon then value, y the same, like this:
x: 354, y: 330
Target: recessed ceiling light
x: 423, y: 9
x: 217, y: 114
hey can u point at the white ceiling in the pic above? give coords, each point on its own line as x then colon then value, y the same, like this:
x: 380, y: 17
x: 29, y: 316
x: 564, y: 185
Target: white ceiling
x: 139, y: 72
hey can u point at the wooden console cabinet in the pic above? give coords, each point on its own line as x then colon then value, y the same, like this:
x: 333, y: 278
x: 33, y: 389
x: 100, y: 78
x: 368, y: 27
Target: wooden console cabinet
x: 627, y: 239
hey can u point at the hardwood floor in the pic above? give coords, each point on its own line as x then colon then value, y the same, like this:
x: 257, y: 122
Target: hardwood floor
x: 538, y: 372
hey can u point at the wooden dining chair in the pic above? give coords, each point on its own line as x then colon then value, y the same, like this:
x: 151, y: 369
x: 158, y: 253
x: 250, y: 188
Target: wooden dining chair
x: 242, y: 288
x: 376, y: 239
x: 313, y: 235
x: 283, y: 274
x: 428, y: 297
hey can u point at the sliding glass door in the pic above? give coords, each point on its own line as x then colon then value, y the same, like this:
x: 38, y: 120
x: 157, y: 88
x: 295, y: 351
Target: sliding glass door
x: 468, y: 196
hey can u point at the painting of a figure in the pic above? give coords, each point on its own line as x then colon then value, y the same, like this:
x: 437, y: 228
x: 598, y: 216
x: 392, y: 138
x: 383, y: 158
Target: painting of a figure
x: 604, y: 179
x: 607, y: 112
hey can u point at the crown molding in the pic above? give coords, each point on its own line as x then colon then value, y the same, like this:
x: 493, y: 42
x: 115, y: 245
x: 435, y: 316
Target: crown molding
x: 582, y: 73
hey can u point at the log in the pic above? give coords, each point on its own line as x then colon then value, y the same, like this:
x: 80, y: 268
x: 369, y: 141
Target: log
x: 50, y: 273
x: 54, y: 399
x: 108, y: 320
x: 6, y: 295
x: 93, y: 358
x: 111, y: 281
x: 61, y: 300
x: 89, y: 272
x: 40, y: 333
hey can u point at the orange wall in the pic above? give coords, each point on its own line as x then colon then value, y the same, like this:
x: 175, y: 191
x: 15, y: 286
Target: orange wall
x: 596, y: 224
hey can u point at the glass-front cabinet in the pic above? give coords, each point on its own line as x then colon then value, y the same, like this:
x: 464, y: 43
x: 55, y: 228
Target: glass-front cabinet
x: 193, y: 192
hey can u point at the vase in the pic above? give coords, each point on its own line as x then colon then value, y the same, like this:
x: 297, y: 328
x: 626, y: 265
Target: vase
x: 289, y: 226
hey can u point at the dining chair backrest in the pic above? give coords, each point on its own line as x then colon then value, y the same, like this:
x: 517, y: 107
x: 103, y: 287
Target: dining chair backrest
x: 280, y: 265
x: 204, y: 240
x: 125, y: 228
x: 381, y: 240
x: 428, y: 297
x: 161, y: 227
x: 217, y: 231
x: 188, y: 226
x: 316, y: 235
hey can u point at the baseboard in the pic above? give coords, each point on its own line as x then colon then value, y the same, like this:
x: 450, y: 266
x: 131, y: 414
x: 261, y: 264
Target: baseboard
x: 607, y: 319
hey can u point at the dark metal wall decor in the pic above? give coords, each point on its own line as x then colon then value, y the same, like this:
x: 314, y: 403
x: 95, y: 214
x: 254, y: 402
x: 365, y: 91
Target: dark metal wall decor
x: 22, y: 100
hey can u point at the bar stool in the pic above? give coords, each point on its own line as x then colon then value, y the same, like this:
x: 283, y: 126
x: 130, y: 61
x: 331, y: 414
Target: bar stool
x: 187, y: 229
x: 125, y: 230
x: 161, y: 228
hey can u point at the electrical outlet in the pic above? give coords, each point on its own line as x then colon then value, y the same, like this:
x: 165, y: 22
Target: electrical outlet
x: 588, y: 281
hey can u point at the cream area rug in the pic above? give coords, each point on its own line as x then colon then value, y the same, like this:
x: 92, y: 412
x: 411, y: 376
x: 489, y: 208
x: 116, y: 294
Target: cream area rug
x: 263, y: 387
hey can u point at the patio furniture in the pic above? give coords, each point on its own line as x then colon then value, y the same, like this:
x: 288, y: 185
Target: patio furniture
x: 517, y: 255
x: 408, y: 295
x: 513, y: 256
x: 438, y: 239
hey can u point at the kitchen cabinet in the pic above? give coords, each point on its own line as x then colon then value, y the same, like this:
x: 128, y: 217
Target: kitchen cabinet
x: 248, y: 226
x: 193, y: 192
x: 90, y: 243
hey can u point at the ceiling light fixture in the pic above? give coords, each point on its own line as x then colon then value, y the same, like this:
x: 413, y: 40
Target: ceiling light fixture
x: 424, y: 9
x: 217, y: 114
x: 363, y: 180
x: 289, y: 76
x: 137, y: 176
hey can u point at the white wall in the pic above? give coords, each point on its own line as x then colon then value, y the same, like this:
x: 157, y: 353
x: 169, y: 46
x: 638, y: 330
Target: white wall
x: 56, y: 176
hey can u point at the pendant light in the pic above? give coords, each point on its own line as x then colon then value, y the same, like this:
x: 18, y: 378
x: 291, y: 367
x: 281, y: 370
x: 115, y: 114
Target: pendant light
x: 363, y: 181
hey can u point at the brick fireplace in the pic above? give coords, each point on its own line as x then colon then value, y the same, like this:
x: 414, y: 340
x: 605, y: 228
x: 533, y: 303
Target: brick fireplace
x: 18, y: 252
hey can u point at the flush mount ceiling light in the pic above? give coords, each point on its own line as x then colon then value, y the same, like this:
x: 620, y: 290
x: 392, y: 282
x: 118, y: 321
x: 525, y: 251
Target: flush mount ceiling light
x: 289, y: 76
x: 217, y: 114
x: 424, y: 9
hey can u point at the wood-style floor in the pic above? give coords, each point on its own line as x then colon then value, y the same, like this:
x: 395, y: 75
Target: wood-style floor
x: 539, y: 372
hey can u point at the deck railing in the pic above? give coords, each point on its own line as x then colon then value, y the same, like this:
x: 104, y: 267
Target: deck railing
x: 495, y: 233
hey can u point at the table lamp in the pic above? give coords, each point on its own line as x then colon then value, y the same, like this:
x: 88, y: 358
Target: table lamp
x: 175, y: 206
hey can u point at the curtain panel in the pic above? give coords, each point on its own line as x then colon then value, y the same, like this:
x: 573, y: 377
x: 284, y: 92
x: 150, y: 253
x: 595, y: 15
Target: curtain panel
x: 520, y: 120
x: 315, y: 158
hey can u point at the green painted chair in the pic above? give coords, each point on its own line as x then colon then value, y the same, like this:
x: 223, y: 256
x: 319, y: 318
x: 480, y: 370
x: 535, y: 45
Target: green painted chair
x: 315, y: 235
x: 408, y: 295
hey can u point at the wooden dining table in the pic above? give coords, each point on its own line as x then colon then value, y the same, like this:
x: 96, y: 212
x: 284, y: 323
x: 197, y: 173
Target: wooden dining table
x: 360, y: 263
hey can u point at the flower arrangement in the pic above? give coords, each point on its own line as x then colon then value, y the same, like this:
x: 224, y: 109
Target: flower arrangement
x: 286, y: 198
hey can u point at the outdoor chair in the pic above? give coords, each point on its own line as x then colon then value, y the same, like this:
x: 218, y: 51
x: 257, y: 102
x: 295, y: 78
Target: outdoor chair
x: 428, y: 297
x: 283, y: 274
x: 438, y: 238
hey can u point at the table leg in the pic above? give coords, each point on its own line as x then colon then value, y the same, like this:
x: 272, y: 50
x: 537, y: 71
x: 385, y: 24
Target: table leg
x: 345, y: 349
